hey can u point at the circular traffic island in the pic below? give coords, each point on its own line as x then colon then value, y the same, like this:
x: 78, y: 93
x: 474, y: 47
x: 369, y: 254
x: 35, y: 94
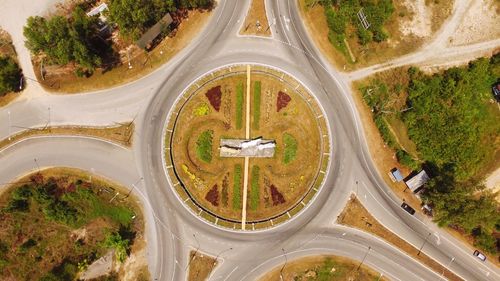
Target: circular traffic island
x: 246, y: 147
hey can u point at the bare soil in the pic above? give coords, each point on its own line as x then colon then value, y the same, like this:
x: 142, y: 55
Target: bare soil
x: 412, y: 24
x: 307, y: 268
x: 256, y: 12
x: 355, y: 215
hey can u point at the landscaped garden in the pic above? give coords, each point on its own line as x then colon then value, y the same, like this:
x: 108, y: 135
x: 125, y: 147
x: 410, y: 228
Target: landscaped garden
x: 217, y: 111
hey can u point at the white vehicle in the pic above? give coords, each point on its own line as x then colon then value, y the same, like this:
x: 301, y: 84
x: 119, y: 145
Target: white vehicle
x: 479, y: 255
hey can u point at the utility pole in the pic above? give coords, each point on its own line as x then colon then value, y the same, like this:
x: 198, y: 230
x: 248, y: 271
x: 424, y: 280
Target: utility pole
x: 36, y: 162
x: 8, y: 113
x: 217, y: 257
x: 447, y: 267
x: 421, y: 247
x: 133, y: 186
x: 195, y: 252
x: 363, y: 260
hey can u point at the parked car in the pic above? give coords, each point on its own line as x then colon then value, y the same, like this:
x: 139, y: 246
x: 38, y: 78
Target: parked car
x: 479, y: 255
x: 496, y: 91
x: 408, y: 208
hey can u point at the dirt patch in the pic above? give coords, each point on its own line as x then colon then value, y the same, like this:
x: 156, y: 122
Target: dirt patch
x: 323, y: 268
x: 142, y: 62
x: 355, y: 215
x: 200, y: 266
x: 479, y: 24
x: 256, y: 22
x: 410, y: 26
x: 121, y: 134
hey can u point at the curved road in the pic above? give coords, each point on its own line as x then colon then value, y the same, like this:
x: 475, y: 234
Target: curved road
x: 172, y: 231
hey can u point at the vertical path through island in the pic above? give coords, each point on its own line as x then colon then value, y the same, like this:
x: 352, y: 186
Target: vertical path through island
x: 247, y: 136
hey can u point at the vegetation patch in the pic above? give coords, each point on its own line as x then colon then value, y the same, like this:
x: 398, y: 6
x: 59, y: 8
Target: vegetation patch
x: 204, y: 146
x: 200, y: 266
x: 256, y: 104
x: 214, y: 96
x: 282, y: 101
x: 239, y: 105
x: 276, y: 196
x: 10, y: 73
x: 323, y: 268
x: 290, y: 149
x: 201, y: 110
x: 255, y: 188
x: 237, y: 187
x: 213, y: 196
x: 455, y: 128
x: 53, y: 225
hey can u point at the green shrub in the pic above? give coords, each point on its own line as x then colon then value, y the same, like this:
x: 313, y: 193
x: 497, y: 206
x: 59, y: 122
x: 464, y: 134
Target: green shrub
x: 237, y: 187
x: 121, y: 245
x: 10, y: 75
x: 290, y: 149
x: 405, y: 159
x: 255, y: 188
x: 385, y: 132
x: 256, y: 105
x: 239, y: 105
x: 204, y: 146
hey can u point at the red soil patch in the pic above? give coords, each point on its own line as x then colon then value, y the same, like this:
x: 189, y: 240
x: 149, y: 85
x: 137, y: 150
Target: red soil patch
x: 213, y: 196
x: 276, y: 196
x: 282, y: 101
x: 214, y: 96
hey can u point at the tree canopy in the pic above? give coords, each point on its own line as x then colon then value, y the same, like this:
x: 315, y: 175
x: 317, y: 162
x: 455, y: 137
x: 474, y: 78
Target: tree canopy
x: 10, y: 74
x: 64, y: 40
x: 133, y: 17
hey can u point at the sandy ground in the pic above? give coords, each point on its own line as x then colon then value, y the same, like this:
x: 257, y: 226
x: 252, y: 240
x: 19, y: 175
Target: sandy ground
x: 493, y: 182
x: 420, y: 24
x: 100, y: 267
x: 479, y: 24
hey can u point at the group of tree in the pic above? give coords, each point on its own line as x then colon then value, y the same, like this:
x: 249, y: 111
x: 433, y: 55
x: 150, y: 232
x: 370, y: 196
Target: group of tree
x: 456, y: 129
x: 66, y: 40
x: 342, y: 13
x: 10, y: 75
x: 133, y: 17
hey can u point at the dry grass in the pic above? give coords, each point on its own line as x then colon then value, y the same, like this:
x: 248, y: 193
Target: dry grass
x: 142, y: 64
x: 56, y: 241
x: 200, y: 266
x: 373, y: 53
x: 293, y: 180
x: 441, y: 10
x: 355, y: 215
x: 339, y: 268
x: 256, y: 12
x: 121, y: 134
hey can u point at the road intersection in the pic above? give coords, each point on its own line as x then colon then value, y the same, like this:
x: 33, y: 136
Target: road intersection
x: 172, y: 231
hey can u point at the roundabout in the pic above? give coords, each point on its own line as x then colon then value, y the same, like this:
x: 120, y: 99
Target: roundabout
x: 246, y: 147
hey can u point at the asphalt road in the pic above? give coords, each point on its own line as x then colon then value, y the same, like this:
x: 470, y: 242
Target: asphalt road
x: 172, y: 231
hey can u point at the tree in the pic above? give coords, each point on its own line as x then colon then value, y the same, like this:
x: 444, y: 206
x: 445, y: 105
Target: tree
x: 121, y: 245
x: 10, y: 75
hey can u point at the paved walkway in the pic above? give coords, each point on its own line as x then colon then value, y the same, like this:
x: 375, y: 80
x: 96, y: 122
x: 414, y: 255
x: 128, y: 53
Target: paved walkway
x: 247, y: 136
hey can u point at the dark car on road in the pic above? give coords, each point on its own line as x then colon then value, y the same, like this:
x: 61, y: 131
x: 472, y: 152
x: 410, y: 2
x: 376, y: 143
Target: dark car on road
x: 408, y: 208
x: 496, y: 91
x: 479, y: 255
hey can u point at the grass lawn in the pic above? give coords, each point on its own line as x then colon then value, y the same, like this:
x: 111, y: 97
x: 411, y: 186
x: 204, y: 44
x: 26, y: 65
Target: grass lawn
x: 239, y: 105
x: 54, y: 221
x: 323, y: 268
x: 204, y: 146
x: 256, y: 104
x: 255, y: 188
x: 290, y: 151
x: 237, y: 187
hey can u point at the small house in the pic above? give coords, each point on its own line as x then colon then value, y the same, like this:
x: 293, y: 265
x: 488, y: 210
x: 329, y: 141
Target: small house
x: 151, y: 34
x: 416, y: 182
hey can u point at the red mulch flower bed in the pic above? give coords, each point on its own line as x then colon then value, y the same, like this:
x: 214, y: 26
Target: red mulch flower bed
x: 214, y: 96
x: 213, y: 196
x: 282, y: 101
x: 276, y: 196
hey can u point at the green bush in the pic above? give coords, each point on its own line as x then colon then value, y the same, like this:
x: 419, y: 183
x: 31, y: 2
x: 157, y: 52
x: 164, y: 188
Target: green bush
x: 290, y: 150
x: 405, y: 159
x: 256, y: 105
x: 121, y: 245
x: 204, y: 146
x: 255, y: 188
x: 239, y: 105
x: 237, y: 187
x: 385, y: 132
x: 10, y: 75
